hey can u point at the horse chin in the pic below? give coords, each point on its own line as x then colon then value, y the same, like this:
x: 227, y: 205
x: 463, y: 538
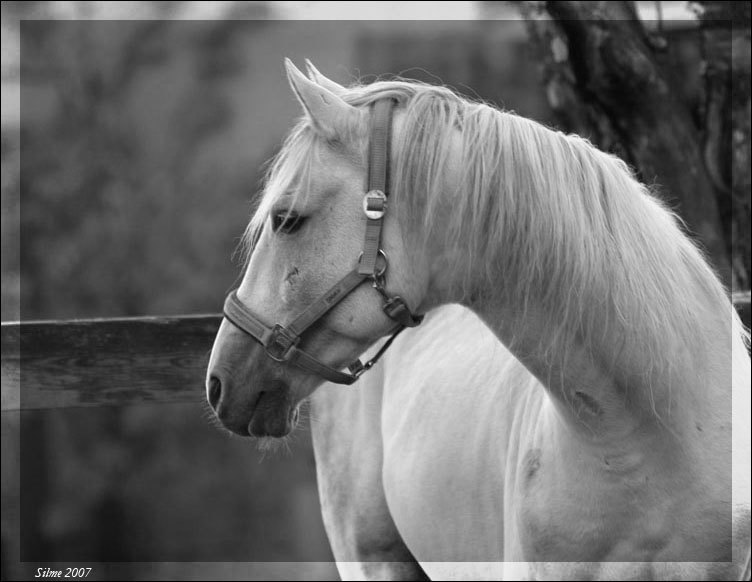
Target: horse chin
x: 274, y: 415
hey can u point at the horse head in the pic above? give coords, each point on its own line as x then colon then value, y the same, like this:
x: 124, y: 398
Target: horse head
x: 331, y: 268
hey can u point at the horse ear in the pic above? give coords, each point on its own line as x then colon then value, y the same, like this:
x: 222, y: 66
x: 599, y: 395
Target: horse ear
x: 315, y: 75
x: 327, y: 111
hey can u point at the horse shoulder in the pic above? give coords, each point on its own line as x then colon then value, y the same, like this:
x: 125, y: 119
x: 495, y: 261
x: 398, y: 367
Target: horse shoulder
x: 347, y: 444
x: 451, y: 411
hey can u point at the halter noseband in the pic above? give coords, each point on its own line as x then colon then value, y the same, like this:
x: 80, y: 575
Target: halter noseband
x: 280, y: 342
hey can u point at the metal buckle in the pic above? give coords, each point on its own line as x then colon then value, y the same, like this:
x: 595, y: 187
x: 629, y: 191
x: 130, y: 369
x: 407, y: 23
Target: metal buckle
x: 396, y: 309
x: 379, y: 273
x: 374, y: 204
x: 280, y: 344
x: 357, y: 368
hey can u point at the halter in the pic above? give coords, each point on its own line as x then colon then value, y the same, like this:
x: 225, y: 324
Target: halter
x: 280, y: 342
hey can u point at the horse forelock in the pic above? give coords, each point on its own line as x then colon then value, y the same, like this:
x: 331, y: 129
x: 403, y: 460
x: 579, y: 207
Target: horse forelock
x: 287, y: 173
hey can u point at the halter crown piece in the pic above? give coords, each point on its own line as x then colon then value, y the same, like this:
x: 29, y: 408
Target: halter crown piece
x: 281, y: 342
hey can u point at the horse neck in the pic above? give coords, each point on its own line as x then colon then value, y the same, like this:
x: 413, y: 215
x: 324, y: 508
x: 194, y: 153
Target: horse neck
x: 610, y: 385
x: 591, y: 284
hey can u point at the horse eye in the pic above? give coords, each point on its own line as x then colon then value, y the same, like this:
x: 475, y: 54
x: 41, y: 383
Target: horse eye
x: 287, y: 222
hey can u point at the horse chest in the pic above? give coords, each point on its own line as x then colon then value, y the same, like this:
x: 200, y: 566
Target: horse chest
x: 495, y: 495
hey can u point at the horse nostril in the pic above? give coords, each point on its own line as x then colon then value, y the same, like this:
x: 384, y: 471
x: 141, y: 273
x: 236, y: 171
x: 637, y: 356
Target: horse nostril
x: 215, y: 391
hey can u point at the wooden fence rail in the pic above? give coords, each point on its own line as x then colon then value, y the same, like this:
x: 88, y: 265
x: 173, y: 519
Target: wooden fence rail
x: 100, y: 362
x: 105, y: 361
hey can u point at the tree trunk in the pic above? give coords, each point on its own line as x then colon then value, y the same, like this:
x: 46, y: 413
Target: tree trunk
x: 605, y: 77
x: 726, y: 46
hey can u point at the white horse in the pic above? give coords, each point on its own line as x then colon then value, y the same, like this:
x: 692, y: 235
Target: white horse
x: 600, y: 445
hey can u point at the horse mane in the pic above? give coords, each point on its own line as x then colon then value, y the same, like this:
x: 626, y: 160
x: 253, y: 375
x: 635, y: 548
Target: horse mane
x: 546, y: 217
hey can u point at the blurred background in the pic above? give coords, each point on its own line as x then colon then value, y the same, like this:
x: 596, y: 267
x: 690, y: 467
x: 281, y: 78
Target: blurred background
x: 133, y: 139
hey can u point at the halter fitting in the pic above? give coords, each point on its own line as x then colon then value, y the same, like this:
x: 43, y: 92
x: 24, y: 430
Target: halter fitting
x: 280, y: 342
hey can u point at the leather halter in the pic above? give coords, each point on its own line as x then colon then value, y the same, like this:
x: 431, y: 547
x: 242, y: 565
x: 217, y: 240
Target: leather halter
x: 281, y: 342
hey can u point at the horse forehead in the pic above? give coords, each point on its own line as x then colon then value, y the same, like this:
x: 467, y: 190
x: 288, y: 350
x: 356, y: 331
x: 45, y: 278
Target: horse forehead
x: 334, y: 170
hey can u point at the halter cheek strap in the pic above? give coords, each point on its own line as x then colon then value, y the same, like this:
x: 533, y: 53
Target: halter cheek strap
x: 280, y: 342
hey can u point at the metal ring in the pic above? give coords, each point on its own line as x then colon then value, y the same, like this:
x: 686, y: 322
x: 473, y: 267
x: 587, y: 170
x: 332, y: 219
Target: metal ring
x: 377, y: 273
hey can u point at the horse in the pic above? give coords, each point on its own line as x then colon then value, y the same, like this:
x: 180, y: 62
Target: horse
x: 572, y: 419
